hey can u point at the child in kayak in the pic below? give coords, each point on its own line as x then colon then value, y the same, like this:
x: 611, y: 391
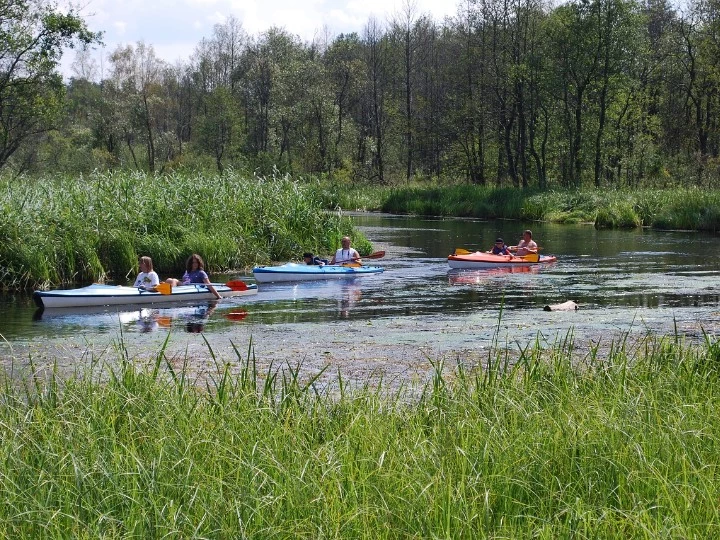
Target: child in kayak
x: 311, y: 259
x: 147, y: 278
x: 500, y: 248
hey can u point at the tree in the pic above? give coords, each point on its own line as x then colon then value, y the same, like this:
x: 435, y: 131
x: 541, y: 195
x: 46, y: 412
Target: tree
x: 32, y: 37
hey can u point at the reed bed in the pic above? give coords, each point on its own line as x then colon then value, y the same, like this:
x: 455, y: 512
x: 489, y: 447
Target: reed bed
x: 60, y: 230
x: 675, y: 208
x: 623, y: 444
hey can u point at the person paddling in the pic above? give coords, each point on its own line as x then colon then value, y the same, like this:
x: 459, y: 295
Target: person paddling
x: 345, y: 254
x: 526, y: 245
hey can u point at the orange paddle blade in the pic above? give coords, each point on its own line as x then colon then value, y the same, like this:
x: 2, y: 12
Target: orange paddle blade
x: 237, y: 285
x: 164, y: 288
x: 461, y: 251
x: 375, y: 255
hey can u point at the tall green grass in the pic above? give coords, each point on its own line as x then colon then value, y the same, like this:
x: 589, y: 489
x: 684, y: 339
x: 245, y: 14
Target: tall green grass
x: 622, y: 444
x: 61, y: 230
x: 675, y: 208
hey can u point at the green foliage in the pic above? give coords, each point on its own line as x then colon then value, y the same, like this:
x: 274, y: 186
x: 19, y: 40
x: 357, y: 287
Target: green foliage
x: 617, y: 216
x: 620, y: 443
x: 64, y: 230
x: 32, y: 38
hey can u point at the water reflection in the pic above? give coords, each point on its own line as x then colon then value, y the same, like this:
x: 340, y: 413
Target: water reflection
x: 486, y: 275
x: 191, y: 318
x: 350, y: 294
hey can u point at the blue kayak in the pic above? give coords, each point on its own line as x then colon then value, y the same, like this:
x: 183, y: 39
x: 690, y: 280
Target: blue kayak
x: 303, y: 272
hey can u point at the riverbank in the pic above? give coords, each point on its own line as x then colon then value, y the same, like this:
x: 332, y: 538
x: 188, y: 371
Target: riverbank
x: 676, y: 208
x: 622, y: 444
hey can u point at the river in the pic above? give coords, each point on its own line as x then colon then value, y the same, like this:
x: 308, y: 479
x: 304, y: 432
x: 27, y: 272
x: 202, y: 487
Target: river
x: 418, y: 312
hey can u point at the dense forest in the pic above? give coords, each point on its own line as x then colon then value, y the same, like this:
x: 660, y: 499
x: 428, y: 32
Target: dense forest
x: 518, y: 93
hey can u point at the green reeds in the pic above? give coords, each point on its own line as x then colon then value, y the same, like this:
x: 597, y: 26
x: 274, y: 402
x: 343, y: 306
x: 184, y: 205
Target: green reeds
x: 64, y: 230
x: 622, y: 444
x: 673, y: 208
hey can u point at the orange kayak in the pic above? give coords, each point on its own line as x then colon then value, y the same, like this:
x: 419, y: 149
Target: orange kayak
x: 481, y: 259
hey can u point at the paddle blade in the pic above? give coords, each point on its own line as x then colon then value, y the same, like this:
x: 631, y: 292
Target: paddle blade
x: 375, y: 255
x: 164, y: 288
x: 352, y: 265
x: 530, y: 257
x: 237, y: 285
x: 461, y: 251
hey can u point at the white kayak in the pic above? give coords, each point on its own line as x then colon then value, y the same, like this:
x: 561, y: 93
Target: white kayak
x: 110, y: 295
x: 305, y: 272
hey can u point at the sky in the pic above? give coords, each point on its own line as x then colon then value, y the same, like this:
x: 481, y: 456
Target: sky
x: 175, y: 27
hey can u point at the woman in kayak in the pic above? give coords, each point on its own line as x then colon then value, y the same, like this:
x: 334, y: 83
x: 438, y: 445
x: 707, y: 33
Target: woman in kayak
x: 526, y: 245
x: 194, y: 273
x: 345, y: 254
x: 500, y: 248
x: 147, y: 278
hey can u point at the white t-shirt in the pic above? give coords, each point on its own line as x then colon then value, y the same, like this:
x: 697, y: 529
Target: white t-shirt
x: 147, y: 280
x: 346, y: 255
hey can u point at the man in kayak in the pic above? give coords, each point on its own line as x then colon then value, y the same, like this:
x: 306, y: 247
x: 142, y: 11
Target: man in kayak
x: 311, y: 259
x: 526, y: 245
x: 345, y: 254
x: 500, y: 248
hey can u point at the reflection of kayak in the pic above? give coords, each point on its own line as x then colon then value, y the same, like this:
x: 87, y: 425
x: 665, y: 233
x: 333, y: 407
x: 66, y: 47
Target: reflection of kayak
x: 301, y: 272
x: 106, y: 295
x: 480, y: 259
x: 483, y: 275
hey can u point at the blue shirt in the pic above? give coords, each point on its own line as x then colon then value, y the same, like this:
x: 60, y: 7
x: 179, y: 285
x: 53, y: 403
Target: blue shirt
x: 196, y: 276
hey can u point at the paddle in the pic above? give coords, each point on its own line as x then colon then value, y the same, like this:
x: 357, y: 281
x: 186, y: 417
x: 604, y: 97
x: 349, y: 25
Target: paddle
x: 374, y: 255
x: 235, y: 285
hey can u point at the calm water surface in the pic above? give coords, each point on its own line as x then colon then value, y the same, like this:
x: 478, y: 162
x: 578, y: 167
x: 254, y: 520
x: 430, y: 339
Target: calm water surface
x: 660, y: 276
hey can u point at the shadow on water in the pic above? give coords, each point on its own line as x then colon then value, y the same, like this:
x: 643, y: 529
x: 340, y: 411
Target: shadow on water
x: 622, y: 270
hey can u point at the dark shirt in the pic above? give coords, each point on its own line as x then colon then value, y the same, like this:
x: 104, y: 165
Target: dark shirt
x: 500, y: 251
x: 317, y: 261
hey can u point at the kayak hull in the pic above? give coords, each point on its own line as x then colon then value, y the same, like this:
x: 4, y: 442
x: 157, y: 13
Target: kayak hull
x: 112, y: 295
x: 481, y: 259
x: 306, y: 272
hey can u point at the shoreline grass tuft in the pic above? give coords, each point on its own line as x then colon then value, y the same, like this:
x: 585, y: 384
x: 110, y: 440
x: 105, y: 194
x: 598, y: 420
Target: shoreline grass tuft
x: 623, y: 444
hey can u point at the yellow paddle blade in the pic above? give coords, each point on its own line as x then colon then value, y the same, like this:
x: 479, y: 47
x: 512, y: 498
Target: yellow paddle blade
x: 530, y: 257
x: 352, y: 265
x: 164, y: 288
x: 461, y: 251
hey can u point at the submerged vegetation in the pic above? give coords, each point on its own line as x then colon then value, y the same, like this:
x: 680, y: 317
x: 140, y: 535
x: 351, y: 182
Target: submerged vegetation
x: 63, y: 230
x: 623, y: 444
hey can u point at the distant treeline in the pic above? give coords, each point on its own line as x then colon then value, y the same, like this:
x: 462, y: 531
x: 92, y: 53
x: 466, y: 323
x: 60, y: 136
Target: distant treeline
x: 588, y: 93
